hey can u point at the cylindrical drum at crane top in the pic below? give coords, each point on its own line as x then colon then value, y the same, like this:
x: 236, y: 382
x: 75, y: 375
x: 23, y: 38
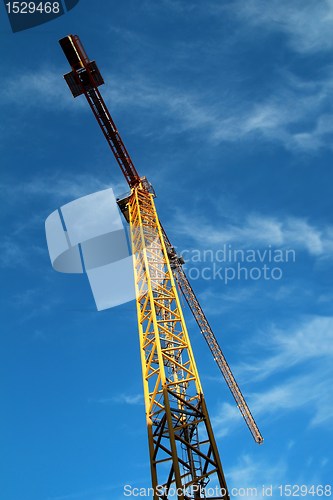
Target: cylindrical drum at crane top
x: 74, y: 51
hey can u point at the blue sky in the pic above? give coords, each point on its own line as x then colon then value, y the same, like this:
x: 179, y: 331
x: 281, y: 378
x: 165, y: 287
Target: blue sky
x: 226, y: 106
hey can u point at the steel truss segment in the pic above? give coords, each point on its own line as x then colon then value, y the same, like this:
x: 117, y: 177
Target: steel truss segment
x: 183, y: 452
x: 108, y: 127
x: 206, y: 330
x: 216, y: 350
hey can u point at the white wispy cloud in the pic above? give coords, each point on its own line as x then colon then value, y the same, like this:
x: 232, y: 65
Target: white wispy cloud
x: 308, y: 347
x: 16, y: 252
x: 257, y: 230
x: 296, y: 113
x: 16, y: 248
x: 128, y: 399
x: 43, y: 87
x: 307, y: 391
x: 253, y: 472
x: 12, y: 254
x: 308, y: 394
x: 307, y: 25
x: 311, y: 339
x: 39, y: 88
x: 58, y: 186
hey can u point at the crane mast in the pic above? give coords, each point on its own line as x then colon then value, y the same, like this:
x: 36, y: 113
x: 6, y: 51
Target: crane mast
x: 182, y: 446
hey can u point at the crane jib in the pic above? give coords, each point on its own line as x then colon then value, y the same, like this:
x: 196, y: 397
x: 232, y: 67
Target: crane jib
x: 85, y: 78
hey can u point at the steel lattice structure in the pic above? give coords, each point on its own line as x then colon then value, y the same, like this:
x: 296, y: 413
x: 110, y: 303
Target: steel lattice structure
x: 182, y: 446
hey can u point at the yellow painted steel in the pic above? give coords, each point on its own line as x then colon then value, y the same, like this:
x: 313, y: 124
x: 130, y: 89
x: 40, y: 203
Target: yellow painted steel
x: 183, y: 452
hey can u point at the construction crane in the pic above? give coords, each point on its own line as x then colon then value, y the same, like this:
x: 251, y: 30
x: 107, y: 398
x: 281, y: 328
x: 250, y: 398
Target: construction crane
x: 183, y: 453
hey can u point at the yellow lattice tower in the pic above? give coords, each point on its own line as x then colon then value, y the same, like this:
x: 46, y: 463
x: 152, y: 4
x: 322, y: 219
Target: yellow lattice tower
x: 182, y: 447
